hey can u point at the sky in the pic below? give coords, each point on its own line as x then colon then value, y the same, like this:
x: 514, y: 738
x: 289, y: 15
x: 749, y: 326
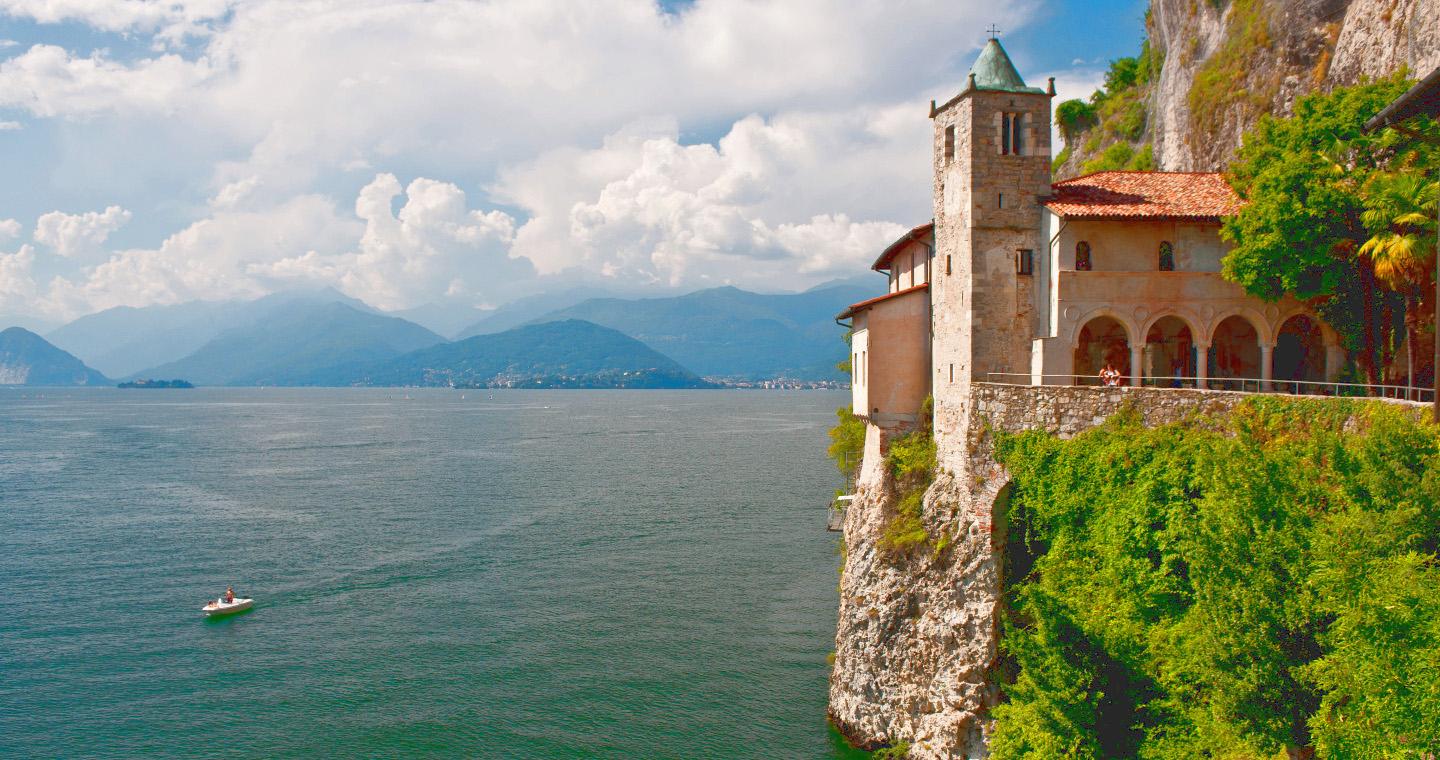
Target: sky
x: 467, y: 153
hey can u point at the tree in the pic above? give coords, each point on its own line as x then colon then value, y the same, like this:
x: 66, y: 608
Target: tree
x: 1400, y: 214
x: 1301, y: 230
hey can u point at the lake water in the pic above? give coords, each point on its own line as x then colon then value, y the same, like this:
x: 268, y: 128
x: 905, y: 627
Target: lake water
x: 517, y: 574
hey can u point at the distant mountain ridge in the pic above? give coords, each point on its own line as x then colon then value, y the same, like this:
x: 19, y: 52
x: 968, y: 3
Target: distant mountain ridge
x: 561, y: 354
x: 124, y: 340
x: 298, y: 344
x: 28, y: 359
x: 736, y: 334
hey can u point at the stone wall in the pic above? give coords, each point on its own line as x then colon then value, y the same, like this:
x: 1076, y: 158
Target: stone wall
x: 918, y: 633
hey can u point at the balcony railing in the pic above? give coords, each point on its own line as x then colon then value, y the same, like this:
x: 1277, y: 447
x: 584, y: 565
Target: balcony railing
x: 1234, y: 384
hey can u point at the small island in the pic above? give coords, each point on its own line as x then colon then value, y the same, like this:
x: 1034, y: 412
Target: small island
x: 155, y: 384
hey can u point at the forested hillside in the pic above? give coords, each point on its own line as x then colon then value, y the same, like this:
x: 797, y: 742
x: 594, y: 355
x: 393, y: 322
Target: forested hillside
x: 1209, y: 69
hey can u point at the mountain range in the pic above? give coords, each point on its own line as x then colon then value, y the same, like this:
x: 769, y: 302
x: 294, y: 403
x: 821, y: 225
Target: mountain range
x: 28, y: 359
x: 324, y: 338
x: 563, y: 354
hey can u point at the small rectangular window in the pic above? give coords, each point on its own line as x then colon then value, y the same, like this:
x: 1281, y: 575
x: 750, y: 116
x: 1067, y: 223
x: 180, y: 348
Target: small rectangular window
x: 952, y: 373
x: 1000, y: 203
x: 949, y: 143
x: 947, y: 263
x: 1025, y: 262
x: 1016, y: 143
x: 1004, y: 134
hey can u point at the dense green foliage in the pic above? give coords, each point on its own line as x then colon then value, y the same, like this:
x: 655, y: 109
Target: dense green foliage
x: 1110, y: 126
x: 897, y: 752
x: 1230, y: 587
x: 1221, y: 82
x: 912, y: 460
x: 32, y: 360
x: 1317, y: 189
x: 847, y: 441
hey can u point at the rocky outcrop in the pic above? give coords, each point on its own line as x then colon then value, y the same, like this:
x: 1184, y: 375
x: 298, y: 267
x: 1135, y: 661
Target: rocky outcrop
x: 1225, y: 63
x: 918, y: 633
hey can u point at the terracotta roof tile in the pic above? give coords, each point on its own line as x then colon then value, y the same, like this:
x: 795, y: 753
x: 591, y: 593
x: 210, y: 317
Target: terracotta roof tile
x: 925, y: 230
x: 863, y: 305
x: 1144, y: 195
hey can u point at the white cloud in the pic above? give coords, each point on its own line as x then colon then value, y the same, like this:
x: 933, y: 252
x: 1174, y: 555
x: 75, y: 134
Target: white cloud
x: 79, y: 236
x: 592, y: 122
x: 434, y: 246
x: 7, y: 44
x: 17, y: 285
x: 168, y: 20
x: 10, y: 126
x: 10, y: 228
x: 48, y: 81
x: 644, y: 207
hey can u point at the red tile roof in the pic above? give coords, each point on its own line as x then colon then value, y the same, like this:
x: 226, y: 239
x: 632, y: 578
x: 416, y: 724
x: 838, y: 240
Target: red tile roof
x: 863, y: 305
x: 1144, y: 195
x: 925, y: 230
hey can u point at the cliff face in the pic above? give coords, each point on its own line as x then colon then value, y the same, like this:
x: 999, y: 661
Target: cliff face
x: 1225, y: 63
x: 917, y: 643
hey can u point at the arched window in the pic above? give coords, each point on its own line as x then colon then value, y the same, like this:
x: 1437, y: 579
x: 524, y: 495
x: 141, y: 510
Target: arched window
x: 1082, y: 256
x: 1167, y: 257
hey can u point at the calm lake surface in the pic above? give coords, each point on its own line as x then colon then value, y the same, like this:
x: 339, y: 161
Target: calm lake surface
x: 518, y: 574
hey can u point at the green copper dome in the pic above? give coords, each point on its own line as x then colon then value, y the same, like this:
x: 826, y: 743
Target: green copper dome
x: 994, y: 71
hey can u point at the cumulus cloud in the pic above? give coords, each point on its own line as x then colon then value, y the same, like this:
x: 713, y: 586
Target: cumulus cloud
x: 17, y: 285
x: 10, y: 126
x: 168, y: 20
x: 646, y: 207
x: 763, y: 144
x: 10, y: 228
x: 434, y: 246
x: 76, y: 236
x: 48, y: 81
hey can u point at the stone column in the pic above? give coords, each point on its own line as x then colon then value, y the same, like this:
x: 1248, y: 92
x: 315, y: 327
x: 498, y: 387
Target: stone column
x: 1136, y: 356
x: 1267, y: 366
x: 1202, y: 364
x: 1334, y: 362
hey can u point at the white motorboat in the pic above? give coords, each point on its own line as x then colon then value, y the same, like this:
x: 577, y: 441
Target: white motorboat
x: 222, y: 607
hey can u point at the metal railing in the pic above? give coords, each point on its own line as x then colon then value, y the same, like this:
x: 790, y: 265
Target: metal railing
x: 1235, y: 384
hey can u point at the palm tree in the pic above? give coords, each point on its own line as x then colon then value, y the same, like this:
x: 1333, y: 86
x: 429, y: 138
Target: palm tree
x: 1400, y: 215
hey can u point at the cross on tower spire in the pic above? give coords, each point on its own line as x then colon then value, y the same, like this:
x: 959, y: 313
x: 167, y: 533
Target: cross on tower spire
x: 994, y: 31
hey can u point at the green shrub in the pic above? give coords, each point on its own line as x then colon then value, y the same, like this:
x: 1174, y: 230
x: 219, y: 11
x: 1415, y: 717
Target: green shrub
x: 913, y: 462
x: 1240, y: 586
x: 847, y: 441
x: 896, y: 752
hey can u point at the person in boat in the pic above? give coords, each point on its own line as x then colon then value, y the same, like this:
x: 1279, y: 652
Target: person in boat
x: 229, y: 595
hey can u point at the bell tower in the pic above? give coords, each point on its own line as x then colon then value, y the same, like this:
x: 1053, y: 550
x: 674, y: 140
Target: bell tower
x: 992, y: 167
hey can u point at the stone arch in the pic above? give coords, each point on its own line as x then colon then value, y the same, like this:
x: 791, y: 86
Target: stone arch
x: 1169, y: 350
x: 1235, y: 353
x: 1101, y: 338
x: 1299, y: 354
x: 1255, y: 318
x: 1327, y: 333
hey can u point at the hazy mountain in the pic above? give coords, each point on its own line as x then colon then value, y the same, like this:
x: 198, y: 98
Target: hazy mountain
x: 564, y: 354
x: 293, y: 343
x: 443, y: 317
x: 28, y: 359
x: 732, y: 333
x: 124, y: 340
x: 532, y: 308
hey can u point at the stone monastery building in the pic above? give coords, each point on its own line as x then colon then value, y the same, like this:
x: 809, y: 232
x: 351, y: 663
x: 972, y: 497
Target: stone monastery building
x: 1021, y: 280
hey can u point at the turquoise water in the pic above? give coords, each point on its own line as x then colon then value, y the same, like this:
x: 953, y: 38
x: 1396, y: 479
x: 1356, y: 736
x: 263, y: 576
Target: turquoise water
x: 517, y: 574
